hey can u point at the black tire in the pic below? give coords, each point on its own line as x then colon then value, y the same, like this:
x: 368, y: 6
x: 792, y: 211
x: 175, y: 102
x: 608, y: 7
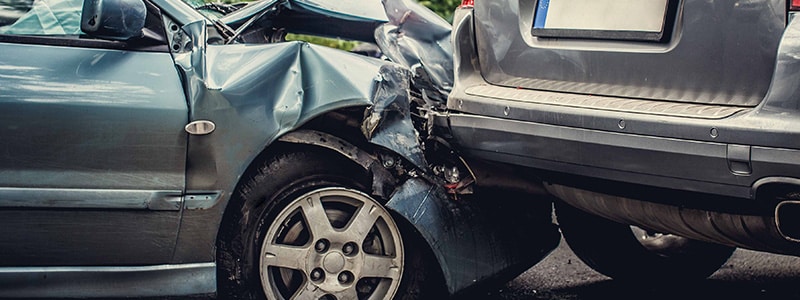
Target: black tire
x: 262, y: 206
x: 612, y: 249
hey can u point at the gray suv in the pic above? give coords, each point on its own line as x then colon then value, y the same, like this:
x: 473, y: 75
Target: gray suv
x: 667, y: 129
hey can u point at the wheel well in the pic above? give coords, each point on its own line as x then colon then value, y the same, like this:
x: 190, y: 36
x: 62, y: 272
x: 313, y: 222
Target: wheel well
x: 344, y: 124
x: 274, y: 150
x: 341, y: 123
x: 433, y: 282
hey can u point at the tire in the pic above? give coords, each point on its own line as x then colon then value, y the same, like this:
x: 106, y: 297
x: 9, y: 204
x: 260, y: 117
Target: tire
x: 628, y: 253
x: 303, y: 226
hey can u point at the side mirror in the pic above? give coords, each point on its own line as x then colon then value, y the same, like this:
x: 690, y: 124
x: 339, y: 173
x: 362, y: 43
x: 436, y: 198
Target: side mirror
x: 113, y: 19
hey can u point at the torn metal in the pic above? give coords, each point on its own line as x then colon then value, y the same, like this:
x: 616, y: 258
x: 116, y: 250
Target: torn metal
x: 418, y: 39
x: 477, y: 240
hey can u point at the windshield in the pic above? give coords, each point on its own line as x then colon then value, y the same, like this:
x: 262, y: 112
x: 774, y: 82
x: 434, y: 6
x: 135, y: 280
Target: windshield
x: 214, y: 9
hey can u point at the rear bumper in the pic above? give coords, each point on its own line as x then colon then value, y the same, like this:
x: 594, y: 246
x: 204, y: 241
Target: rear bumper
x: 730, y: 170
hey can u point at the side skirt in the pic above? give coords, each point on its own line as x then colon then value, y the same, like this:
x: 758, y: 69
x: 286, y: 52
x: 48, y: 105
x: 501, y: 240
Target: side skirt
x: 107, y: 282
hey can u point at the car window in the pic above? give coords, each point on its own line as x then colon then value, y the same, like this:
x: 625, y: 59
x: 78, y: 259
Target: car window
x: 11, y: 10
x: 41, y: 17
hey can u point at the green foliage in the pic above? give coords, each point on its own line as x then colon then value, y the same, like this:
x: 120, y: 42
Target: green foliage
x: 329, y: 42
x: 444, y: 8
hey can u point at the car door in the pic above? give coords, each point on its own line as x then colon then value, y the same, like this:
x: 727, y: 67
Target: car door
x: 92, y: 146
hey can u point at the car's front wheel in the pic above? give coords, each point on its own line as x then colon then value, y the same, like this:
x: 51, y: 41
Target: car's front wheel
x: 629, y: 253
x: 307, y: 230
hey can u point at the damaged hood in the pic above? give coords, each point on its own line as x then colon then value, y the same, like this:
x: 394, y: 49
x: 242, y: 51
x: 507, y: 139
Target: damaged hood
x: 406, y: 32
x: 356, y: 10
x: 349, y: 19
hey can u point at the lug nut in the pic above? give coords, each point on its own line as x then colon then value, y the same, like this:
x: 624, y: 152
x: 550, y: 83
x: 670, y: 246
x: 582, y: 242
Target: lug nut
x: 345, y: 277
x: 317, y: 275
x: 349, y: 249
x: 322, y: 245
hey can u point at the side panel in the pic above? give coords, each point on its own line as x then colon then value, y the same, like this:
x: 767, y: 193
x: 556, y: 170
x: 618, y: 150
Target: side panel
x: 92, y: 156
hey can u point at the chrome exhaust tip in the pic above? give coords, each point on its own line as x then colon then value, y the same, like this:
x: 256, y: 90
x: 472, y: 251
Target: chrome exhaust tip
x: 787, y: 219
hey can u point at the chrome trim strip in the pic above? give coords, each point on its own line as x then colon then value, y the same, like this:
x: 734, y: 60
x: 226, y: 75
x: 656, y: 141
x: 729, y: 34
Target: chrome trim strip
x: 106, y: 282
x: 90, y: 199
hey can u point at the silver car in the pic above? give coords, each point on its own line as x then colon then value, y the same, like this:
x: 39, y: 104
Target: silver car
x: 162, y: 147
x: 668, y: 129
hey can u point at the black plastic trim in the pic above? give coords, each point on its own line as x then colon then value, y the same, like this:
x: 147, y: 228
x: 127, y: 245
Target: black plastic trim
x: 600, y: 34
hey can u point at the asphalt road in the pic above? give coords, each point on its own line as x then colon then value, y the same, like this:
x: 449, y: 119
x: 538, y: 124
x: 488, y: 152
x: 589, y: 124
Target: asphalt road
x: 747, y: 275
x: 562, y: 276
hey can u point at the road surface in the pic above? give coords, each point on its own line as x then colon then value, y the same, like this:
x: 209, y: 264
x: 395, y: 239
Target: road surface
x: 747, y: 275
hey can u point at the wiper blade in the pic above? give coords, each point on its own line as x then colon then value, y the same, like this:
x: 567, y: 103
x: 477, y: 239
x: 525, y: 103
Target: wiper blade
x: 226, y: 31
x: 247, y: 24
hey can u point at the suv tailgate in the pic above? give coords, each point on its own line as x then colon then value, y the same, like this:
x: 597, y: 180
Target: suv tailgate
x: 707, y: 52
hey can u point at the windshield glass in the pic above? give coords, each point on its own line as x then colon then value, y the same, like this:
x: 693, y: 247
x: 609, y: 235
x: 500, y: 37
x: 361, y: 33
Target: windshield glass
x: 214, y: 9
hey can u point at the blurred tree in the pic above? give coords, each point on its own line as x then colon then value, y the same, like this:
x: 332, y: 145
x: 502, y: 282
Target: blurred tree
x: 444, y: 8
x: 324, y: 41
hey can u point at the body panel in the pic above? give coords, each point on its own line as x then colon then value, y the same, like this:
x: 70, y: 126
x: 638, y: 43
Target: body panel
x: 70, y: 116
x: 722, y: 51
x: 86, y: 131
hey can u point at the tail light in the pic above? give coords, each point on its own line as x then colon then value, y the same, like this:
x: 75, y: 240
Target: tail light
x: 471, y: 3
x: 793, y: 5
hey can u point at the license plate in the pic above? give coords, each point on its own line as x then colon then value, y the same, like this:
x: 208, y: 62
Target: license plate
x: 601, y: 19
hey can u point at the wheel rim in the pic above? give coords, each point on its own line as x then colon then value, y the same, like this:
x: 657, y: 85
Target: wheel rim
x: 663, y: 244
x: 332, y: 243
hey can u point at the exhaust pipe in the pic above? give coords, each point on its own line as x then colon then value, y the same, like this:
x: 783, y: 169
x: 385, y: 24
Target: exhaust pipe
x: 787, y: 219
x: 775, y: 228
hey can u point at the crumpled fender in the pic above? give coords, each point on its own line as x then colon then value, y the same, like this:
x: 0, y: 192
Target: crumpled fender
x: 483, y: 239
x: 255, y: 94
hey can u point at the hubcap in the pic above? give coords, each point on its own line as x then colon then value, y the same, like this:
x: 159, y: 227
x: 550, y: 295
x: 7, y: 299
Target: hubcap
x: 332, y: 243
x: 333, y: 262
